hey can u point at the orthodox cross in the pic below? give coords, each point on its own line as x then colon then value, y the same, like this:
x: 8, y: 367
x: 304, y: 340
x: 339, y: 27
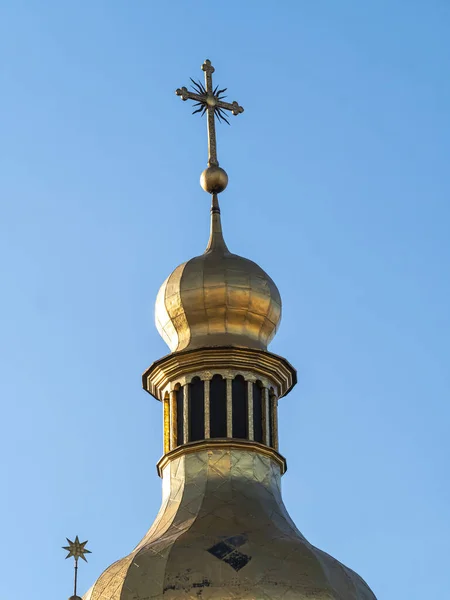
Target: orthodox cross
x: 77, y: 550
x: 211, y: 101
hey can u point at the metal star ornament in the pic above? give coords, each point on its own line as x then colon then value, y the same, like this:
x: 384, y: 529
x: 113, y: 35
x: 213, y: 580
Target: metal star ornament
x: 76, y: 549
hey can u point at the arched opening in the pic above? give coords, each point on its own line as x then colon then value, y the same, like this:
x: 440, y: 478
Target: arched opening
x: 272, y: 409
x: 257, y: 412
x: 179, y: 391
x: 240, y: 407
x: 196, y: 410
x: 218, y: 407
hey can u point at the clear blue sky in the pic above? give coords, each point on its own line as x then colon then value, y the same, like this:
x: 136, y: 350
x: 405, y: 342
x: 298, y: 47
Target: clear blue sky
x: 339, y: 188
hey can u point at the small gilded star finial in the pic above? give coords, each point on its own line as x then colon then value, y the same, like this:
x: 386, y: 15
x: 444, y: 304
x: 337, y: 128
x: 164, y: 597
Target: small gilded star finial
x: 76, y: 549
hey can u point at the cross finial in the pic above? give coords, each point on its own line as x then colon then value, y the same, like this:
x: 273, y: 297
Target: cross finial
x: 207, y: 67
x: 211, y: 101
x: 76, y: 549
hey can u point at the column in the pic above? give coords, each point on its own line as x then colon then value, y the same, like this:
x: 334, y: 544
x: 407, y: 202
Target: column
x: 185, y: 413
x: 229, y: 409
x: 173, y: 419
x: 166, y: 424
x: 275, y: 420
x: 207, y: 408
x: 251, y: 432
x: 266, y: 420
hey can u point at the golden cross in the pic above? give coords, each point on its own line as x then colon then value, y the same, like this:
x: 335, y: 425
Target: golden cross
x: 211, y: 101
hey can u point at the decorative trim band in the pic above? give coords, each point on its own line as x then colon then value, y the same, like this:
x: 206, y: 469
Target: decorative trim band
x: 212, y: 444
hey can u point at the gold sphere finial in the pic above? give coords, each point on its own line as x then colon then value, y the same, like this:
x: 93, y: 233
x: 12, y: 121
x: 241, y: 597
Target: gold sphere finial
x: 214, y: 179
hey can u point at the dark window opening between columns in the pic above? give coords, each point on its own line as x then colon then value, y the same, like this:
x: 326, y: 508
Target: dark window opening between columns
x: 196, y: 410
x: 239, y: 408
x: 180, y: 414
x: 257, y: 412
x: 218, y: 407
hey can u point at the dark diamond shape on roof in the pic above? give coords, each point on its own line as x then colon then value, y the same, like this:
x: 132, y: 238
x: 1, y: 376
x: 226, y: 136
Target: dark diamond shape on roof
x: 237, y: 560
x: 228, y: 552
x: 221, y: 550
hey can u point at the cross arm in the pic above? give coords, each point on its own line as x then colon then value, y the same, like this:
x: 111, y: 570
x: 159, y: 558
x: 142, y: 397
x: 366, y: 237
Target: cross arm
x: 231, y: 106
x: 185, y: 94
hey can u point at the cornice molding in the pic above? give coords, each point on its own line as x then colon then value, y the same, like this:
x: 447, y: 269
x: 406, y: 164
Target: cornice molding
x: 179, y: 364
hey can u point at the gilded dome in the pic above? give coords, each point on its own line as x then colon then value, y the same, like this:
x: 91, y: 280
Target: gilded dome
x: 218, y: 299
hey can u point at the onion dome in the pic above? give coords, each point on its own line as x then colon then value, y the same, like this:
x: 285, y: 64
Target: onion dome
x: 218, y: 299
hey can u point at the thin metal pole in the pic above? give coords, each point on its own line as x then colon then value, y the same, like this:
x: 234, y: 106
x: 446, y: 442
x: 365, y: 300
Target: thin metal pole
x: 75, y: 577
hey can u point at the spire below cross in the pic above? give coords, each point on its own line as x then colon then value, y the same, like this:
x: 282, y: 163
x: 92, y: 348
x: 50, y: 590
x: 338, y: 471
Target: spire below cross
x: 211, y: 101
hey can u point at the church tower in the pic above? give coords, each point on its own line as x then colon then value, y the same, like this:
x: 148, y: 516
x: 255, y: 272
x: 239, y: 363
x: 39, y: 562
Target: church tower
x: 222, y: 530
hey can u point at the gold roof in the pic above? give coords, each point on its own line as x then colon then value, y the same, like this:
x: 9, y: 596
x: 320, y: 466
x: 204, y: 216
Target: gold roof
x: 218, y: 299
x: 224, y: 532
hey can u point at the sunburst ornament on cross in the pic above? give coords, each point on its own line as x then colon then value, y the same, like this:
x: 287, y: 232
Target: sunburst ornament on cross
x: 76, y: 549
x: 211, y: 101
